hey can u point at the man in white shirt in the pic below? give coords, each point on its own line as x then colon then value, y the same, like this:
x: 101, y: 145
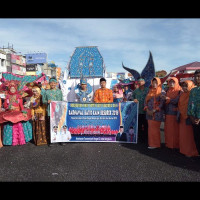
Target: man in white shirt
x: 54, y: 133
x: 65, y: 134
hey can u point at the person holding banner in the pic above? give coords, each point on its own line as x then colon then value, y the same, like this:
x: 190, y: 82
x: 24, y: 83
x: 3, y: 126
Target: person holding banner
x: 171, y: 128
x: 103, y: 94
x: 139, y: 95
x: 154, y: 107
x: 186, y: 136
x: 38, y: 112
x: 53, y: 94
x: 194, y: 109
x: 83, y: 92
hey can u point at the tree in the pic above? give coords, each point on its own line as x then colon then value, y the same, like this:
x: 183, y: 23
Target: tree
x: 161, y: 73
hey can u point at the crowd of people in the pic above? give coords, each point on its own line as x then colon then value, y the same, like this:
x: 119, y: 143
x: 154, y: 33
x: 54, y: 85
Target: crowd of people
x: 26, y: 117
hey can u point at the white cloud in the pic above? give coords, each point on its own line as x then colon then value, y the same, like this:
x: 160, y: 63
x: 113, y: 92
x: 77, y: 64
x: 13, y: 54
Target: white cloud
x: 173, y: 42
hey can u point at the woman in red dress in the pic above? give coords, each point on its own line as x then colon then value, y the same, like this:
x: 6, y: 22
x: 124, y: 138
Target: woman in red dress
x: 17, y: 129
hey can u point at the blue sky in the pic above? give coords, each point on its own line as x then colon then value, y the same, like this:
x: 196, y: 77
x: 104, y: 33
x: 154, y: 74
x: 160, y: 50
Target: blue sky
x: 173, y: 42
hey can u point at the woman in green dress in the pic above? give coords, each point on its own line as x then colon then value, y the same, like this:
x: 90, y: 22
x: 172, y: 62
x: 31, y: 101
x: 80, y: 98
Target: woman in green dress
x: 53, y: 94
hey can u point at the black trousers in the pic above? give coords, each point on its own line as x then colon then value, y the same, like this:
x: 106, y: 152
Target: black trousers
x: 196, y: 130
x: 48, y: 129
x: 142, y: 128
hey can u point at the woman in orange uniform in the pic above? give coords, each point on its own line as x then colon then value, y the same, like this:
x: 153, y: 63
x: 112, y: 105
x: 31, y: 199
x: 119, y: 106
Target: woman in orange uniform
x: 171, y: 128
x: 186, y: 136
x: 154, y: 112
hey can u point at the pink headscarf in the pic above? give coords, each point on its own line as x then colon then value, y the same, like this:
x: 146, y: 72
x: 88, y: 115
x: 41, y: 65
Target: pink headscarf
x: 118, y: 94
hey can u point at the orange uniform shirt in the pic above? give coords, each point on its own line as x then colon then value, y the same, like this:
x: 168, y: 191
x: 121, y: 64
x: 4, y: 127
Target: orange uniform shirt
x: 104, y: 95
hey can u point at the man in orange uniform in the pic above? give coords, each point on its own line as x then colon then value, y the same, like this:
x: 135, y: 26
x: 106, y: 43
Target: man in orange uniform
x: 103, y: 94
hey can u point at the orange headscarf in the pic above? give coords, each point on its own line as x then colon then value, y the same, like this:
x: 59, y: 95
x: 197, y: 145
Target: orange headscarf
x: 154, y: 92
x: 172, y: 93
x: 184, y: 98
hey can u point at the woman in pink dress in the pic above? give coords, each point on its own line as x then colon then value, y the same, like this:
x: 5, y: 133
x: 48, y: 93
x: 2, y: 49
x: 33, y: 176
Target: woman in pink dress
x: 117, y: 93
x: 1, y: 144
x: 17, y: 129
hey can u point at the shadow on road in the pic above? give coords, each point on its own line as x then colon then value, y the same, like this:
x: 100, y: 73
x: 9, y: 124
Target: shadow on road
x: 170, y: 156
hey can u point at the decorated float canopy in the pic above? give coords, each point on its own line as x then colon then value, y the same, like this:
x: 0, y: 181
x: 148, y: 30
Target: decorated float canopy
x: 86, y: 61
x: 185, y: 72
x: 8, y: 76
x: 148, y: 72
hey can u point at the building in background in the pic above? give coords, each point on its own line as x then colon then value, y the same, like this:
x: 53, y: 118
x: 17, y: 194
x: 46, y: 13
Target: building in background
x: 2, y: 62
x: 18, y: 64
x: 28, y: 64
x: 35, y: 62
x: 51, y: 69
x: 118, y: 75
x: 15, y: 61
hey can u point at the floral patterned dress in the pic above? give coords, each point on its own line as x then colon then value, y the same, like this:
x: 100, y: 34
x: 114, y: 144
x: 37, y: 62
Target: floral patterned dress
x: 53, y: 95
x: 38, y: 110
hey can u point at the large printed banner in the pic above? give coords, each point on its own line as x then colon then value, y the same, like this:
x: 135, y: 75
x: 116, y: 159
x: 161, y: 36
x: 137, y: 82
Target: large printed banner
x: 94, y: 122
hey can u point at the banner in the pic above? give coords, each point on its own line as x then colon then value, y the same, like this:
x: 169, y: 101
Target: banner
x: 36, y: 58
x: 93, y: 122
x: 30, y: 68
x: 18, y: 59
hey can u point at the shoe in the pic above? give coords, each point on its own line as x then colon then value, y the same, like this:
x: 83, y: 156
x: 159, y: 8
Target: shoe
x: 152, y: 147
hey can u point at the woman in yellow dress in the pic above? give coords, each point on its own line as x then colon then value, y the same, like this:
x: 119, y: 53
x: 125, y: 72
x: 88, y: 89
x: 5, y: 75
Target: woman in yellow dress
x: 38, y: 112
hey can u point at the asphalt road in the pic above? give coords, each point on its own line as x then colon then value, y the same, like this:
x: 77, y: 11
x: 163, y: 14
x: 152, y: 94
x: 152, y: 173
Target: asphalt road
x: 96, y: 162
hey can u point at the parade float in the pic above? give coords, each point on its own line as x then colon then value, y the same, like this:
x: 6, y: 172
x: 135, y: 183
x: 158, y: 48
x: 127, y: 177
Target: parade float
x: 86, y: 62
x: 148, y: 73
x: 91, y: 122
